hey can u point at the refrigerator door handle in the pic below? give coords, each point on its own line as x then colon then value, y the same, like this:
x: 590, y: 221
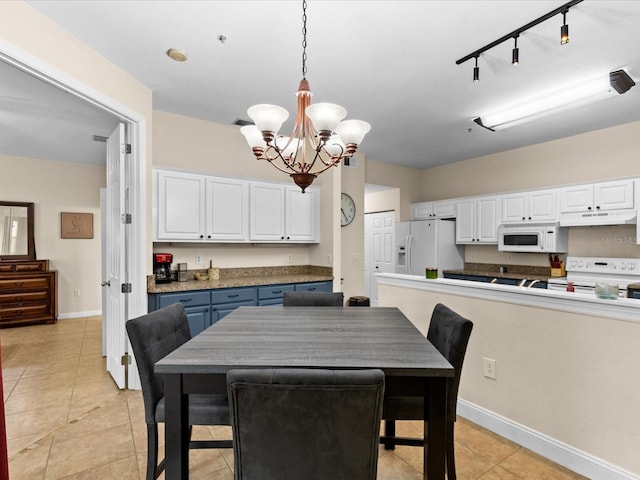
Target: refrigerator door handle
x: 409, y: 241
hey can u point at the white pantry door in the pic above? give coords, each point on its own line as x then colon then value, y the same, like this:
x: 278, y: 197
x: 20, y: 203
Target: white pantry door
x: 379, y: 255
x: 115, y: 310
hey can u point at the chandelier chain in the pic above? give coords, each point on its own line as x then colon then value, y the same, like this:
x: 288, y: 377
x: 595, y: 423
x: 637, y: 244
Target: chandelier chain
x: 304, y: 38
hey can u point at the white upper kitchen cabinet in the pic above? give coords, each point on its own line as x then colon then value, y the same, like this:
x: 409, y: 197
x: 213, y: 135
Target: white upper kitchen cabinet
x: 437, y: 209
x: 613, y: 195
x: 227, y: 209
x: 282, y: 213
x: 180, y: 206
x: 477, y: 220
x: 533, y: 206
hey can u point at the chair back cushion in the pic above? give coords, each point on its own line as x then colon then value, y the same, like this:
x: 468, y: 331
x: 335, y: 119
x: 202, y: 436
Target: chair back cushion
x: 153, y: 337
x: 305, y: 423
x: 449, y: 333
x: 313, y: 299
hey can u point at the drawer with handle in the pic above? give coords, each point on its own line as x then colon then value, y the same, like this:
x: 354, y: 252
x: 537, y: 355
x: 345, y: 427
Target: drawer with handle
x: 188, y: 299
x: 17, y: 283
x: 229, y: 295
x: 24, y: 297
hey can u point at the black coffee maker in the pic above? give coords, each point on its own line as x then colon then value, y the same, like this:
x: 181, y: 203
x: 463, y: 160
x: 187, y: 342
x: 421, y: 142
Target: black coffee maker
x: 162, y: 267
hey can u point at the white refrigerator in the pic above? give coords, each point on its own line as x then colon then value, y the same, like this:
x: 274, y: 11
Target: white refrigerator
x: 422, y: 244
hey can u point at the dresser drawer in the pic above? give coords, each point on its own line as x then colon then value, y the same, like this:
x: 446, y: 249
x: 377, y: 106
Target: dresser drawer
x: 24, y: 297
x: 26, y: 310
x: 229, y: 295
x: 16, y: 283
x: 31, y: 267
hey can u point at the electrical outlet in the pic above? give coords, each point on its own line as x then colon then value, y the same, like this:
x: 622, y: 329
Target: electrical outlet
x: 489, y: 368
x: 290, y: 258
x: 510, y: 257
x: 76, y: 293
x: 198, y: 259
x: 329, y: 259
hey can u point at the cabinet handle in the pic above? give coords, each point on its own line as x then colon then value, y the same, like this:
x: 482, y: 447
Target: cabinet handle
x: 529, y: 218
x: 201, y: 236
x: 276, y: 291
x: 588, y: 208
x: 208, y: 236
x: 281, y: 238
x: 186, y: 300
x: 233, y: 296
x: 598, y: 207
x: 311, y: 289
x: 523, y: 218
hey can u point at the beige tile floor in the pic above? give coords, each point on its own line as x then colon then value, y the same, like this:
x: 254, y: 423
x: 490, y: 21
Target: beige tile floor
x: 67, y: 420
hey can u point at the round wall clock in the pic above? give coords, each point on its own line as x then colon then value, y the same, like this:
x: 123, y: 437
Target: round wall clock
x: 347, y: 209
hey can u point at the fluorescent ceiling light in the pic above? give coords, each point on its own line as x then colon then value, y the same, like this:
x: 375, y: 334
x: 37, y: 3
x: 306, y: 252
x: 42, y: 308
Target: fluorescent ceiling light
x: 552, y: 102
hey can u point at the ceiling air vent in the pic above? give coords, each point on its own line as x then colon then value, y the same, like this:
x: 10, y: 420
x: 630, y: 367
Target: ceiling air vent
x: 241, y: 123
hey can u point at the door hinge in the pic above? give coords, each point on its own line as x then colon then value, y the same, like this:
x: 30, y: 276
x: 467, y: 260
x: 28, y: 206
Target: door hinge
x: 127, y: 148
x: 125, y: 359
x: 126, y: 218
x: 125, y: 288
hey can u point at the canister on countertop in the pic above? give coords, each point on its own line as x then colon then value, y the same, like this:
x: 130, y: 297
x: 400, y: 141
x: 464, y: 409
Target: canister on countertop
x: 431, y: 273
x: 182, y: 272
x: 213, y: 273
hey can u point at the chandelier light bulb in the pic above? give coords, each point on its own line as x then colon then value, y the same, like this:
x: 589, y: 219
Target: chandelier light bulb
x: 325, y: 116
x: 253, y: 136
x: 352, y: 132
x: 268, y: 118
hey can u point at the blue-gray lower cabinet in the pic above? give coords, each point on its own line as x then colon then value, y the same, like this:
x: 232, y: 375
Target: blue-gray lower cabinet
x: 314, y: 287
x: 206, y: 307
x: 273, y: 294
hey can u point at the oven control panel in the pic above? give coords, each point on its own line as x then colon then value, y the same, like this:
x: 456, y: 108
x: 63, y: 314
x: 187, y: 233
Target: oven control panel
x: 620, y: 266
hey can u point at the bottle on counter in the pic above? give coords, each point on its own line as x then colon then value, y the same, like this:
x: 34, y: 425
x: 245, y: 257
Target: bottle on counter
x: 213, y: 273
x: 570, y: 287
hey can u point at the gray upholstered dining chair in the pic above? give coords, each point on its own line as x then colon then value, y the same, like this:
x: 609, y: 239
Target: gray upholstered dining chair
x: 313, y: 299
x: 154, y: 336
x: 292, y: 424
x: 449, y: 333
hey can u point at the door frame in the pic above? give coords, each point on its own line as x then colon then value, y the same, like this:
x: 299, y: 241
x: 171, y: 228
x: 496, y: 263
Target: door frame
x: 137, y: 241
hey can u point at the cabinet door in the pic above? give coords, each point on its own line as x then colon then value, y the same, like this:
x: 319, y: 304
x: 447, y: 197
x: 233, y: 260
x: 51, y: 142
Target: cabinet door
x: 444, y: 209
x: 466, y: 221
x: 543, y: 206
x: 514, y: 208
x: 613, y: 195
x: 302, y: 215
x: 227, y: 209
x: 487, y: 220
x: 421, y: 211
x: 266, y: 212
x: 180, y: 206
x: 314, y: 287
x: 578, y: 198
x: 199, y: 319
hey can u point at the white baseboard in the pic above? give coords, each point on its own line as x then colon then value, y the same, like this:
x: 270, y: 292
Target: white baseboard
x: 92, y: 313
x: 556, y: 451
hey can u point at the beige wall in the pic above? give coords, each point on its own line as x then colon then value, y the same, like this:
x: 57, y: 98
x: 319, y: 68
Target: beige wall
x: 408, y: 180
x: 56, y: 187
x: 572, y: 377
x: 352, y: 235
x: 387, y: 200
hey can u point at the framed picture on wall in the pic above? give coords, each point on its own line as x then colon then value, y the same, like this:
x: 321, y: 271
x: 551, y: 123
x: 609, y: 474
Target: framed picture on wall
x: 76, y: 225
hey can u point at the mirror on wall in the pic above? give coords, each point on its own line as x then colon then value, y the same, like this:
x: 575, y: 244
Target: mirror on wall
x: 16, y: 231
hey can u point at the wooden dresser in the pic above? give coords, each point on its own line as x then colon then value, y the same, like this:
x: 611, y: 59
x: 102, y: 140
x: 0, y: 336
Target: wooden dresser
x: 28, y: 293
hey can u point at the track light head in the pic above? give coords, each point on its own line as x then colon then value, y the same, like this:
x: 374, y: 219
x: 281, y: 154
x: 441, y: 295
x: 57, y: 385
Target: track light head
x: 476, y: 72
x: 515, y: 54
x: 564, y: 30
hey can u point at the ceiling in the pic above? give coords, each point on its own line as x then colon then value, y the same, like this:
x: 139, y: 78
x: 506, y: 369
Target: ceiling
x: 389, y: 63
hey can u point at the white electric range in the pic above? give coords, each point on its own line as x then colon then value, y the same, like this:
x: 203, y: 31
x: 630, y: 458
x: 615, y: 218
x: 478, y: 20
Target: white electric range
x: 585, y: 272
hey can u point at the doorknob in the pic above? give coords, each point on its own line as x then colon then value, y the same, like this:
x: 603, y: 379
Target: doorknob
x: 106, y: 284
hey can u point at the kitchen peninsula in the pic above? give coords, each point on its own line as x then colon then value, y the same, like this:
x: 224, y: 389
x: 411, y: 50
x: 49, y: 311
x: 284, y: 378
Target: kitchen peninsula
x: 565, y: 367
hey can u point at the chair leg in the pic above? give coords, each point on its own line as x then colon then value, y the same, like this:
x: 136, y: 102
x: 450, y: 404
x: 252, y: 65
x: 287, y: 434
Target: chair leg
x: 389, y: 431
x: 153, y: 469
x: 450, y: 453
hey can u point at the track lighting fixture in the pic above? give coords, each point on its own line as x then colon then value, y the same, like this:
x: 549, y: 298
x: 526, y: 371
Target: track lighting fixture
x: 515, y: 54
x: 564, y: 30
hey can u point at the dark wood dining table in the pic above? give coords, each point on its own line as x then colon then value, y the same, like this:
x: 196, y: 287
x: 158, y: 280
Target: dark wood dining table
x: 306, y: 337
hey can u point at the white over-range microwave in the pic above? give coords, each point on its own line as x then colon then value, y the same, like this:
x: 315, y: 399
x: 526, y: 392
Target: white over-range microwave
x: 534, y: 238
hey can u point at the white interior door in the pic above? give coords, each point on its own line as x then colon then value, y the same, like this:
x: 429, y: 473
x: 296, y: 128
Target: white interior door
x: 380, y: 236
x: 115, y: 307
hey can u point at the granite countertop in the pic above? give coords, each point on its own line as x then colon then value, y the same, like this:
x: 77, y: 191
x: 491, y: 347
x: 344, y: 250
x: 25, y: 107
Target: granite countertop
x: 246, y: 277
x: 515, y: 272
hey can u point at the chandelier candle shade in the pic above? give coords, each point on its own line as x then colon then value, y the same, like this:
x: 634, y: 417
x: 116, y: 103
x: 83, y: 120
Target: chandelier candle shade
x: 320, y: 137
